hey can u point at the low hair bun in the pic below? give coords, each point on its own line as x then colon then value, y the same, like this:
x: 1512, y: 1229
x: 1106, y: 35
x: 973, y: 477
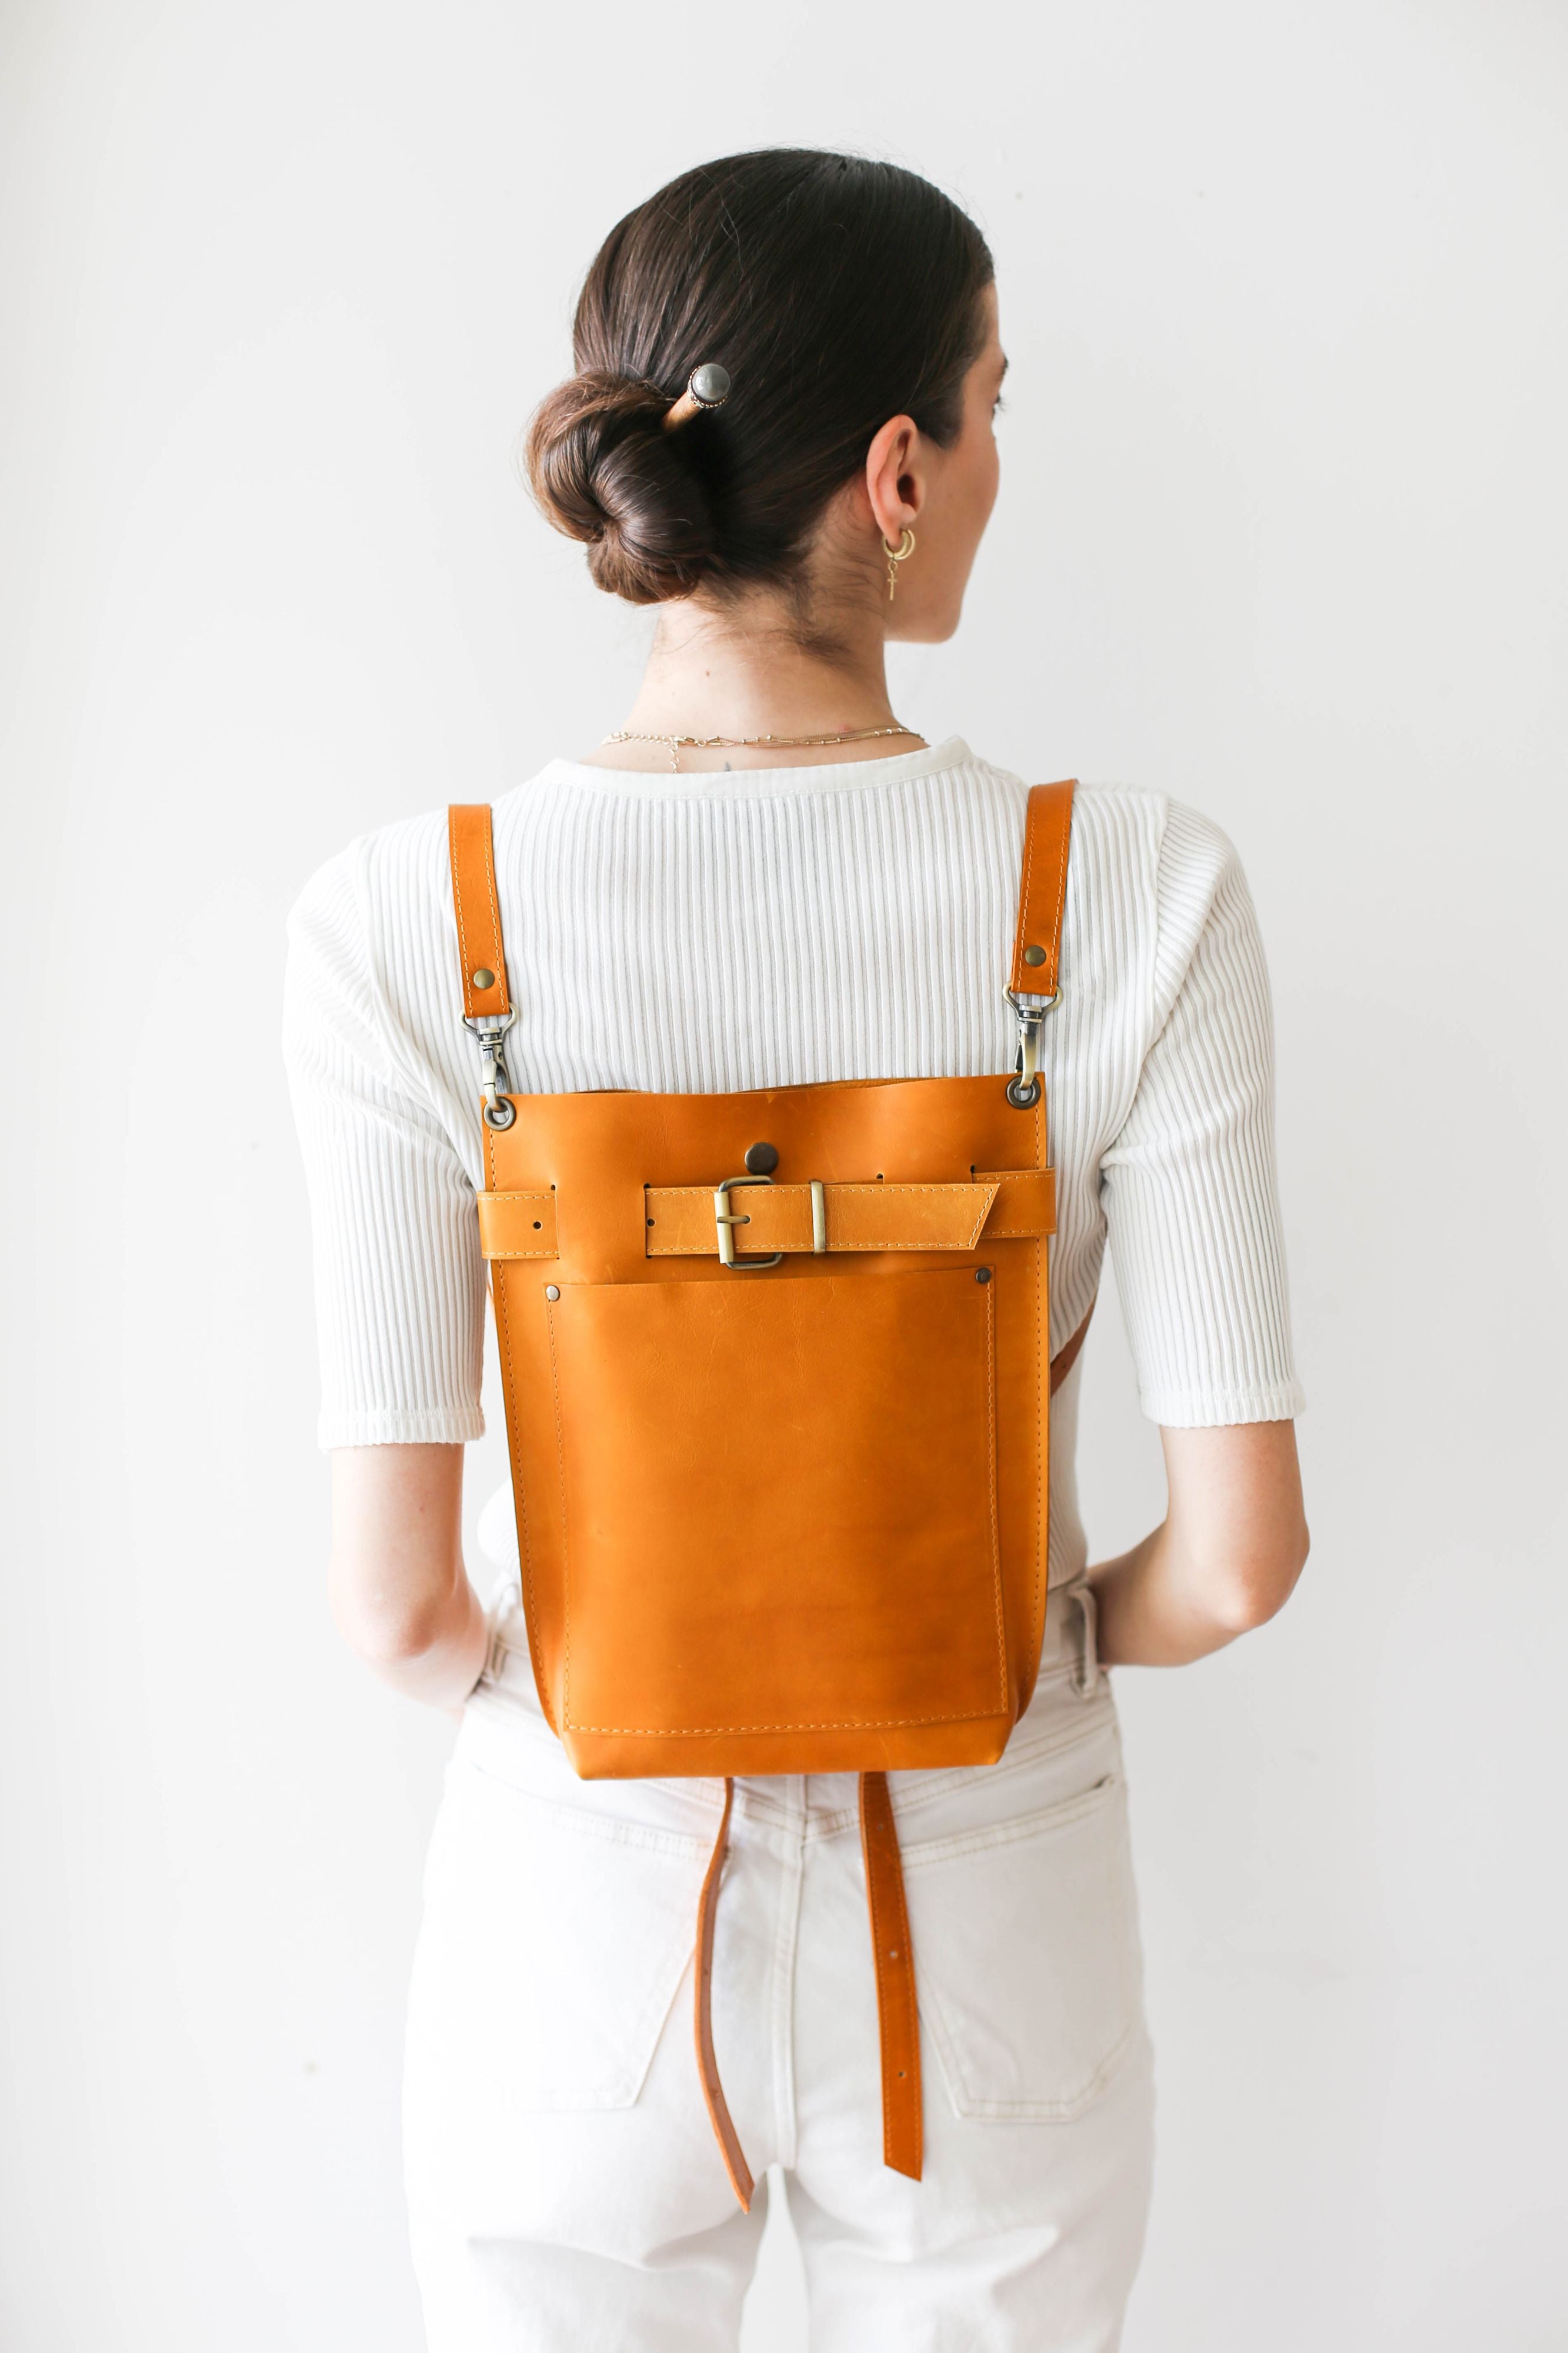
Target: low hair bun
x: 835, y: 291
x: 605, y: 470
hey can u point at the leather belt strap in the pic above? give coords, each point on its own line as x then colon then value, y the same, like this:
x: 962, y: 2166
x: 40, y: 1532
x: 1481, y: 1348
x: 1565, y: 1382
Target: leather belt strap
x: 474, y: 896
x: 897, y: 2017
x: 999, y: 1206
x: 1042, y: 894
x: 898, y: 2014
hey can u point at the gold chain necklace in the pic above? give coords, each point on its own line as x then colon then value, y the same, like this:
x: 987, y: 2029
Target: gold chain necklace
x: 750, y: 743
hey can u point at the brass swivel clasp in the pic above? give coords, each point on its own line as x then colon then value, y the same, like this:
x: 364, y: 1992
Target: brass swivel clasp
x: 490, y: 1028
x: 1023, y: 1087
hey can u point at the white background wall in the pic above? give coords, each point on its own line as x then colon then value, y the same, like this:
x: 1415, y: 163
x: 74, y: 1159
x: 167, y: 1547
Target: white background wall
x: 1282, y: 532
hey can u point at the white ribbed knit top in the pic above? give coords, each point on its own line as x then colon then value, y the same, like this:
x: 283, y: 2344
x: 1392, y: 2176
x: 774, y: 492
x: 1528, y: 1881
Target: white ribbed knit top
x: 785, y: 926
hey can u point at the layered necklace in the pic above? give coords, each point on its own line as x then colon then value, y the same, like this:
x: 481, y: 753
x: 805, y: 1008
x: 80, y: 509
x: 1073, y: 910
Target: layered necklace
x: 751, y: 742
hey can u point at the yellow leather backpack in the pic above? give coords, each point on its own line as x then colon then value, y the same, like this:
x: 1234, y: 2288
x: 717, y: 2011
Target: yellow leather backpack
x: 770, y: 1517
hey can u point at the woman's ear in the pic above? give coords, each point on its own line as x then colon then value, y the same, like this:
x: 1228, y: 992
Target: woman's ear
x: 895, y: 478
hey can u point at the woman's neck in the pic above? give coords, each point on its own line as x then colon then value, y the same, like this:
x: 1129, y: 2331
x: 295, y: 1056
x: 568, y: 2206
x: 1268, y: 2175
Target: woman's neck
x: 749, y: 674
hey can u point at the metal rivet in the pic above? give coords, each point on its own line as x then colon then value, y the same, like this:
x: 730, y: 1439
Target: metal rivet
x: 1033, y: 955
x: 551, y: 1291
x: 483, y: 978
x: 762, y: 1159
x: 983, y: 1274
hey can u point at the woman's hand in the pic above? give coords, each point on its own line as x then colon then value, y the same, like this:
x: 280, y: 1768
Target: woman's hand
x: 399, y: 1592
x: 1233, y: 1543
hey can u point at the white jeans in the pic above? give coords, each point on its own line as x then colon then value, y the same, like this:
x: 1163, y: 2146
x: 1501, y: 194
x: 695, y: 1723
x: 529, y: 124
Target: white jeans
x: 565, y: 2191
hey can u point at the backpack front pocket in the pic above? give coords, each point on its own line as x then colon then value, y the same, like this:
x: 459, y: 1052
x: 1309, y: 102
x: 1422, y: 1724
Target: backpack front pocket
x: 778, y: 1499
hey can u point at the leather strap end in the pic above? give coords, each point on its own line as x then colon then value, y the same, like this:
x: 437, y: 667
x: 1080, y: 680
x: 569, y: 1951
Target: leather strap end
x: 1024, y: 1206
x: 719, y: 2116
x: 898, y: 2014
x: 1037, y: 949
x: 517, y: 1225
x: 472, y: 849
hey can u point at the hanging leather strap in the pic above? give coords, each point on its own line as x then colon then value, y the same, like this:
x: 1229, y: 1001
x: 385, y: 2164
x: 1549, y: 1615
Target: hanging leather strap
x: 897, y: 2017
x: 1037, y: 949
x: 479, y: 947
x: 724, y: 2131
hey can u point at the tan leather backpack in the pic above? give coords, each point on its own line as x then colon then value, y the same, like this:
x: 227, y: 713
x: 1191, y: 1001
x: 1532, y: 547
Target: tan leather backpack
x: 770, y: 1516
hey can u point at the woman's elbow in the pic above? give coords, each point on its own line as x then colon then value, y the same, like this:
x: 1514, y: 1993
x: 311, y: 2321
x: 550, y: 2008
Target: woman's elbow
x: 1248, y: 1589
x: 386, y: 1628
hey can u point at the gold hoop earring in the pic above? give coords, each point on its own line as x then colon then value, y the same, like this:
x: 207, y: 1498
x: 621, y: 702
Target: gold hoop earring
x: 897, y: 555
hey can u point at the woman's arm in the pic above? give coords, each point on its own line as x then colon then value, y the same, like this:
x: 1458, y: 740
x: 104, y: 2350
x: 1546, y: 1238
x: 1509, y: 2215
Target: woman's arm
x: 1227, y: 1557
x: 399, y: 1592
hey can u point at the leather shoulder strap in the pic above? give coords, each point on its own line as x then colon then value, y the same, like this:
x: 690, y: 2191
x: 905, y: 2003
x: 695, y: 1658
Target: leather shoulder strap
x: 1037, y: 950
x: 1066, y: 1357
x: 479, y: 910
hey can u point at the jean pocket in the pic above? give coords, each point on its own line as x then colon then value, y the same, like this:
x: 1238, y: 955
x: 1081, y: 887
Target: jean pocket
x: 1026, y: 1945
x: 552, y: 1945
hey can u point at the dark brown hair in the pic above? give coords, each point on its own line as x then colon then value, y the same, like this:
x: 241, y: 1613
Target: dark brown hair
x: 837, y: 292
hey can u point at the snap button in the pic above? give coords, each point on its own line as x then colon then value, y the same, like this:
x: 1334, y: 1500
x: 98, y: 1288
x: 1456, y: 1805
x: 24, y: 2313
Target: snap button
x: 762, y: 1159
x: 1033, y: 955
x: 483, y: 978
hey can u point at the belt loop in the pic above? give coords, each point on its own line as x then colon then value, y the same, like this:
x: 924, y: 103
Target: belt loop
x: 1087, y: 1669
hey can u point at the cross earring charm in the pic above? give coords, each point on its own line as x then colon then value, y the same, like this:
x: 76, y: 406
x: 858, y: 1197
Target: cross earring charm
x: 897, y: 555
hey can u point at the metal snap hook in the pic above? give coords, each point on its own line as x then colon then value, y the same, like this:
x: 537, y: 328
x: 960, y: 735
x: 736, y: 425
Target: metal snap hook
x: 490, y: 1030
x: 1023, y: 1087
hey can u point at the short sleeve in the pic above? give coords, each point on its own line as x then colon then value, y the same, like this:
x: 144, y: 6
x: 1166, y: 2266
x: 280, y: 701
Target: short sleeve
x: 1188, y: 1185
x: 399, y: 1277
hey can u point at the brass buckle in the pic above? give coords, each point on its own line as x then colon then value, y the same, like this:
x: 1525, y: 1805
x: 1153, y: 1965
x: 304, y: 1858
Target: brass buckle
x: 727, y: 1219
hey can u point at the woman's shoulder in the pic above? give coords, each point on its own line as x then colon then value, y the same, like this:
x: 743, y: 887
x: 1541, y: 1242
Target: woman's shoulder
x: 398, y: 873
x: 1136, y: 837
x: 394, y: 864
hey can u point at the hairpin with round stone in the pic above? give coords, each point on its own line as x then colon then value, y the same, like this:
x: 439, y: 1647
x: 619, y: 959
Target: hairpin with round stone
x: 706, y: 387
